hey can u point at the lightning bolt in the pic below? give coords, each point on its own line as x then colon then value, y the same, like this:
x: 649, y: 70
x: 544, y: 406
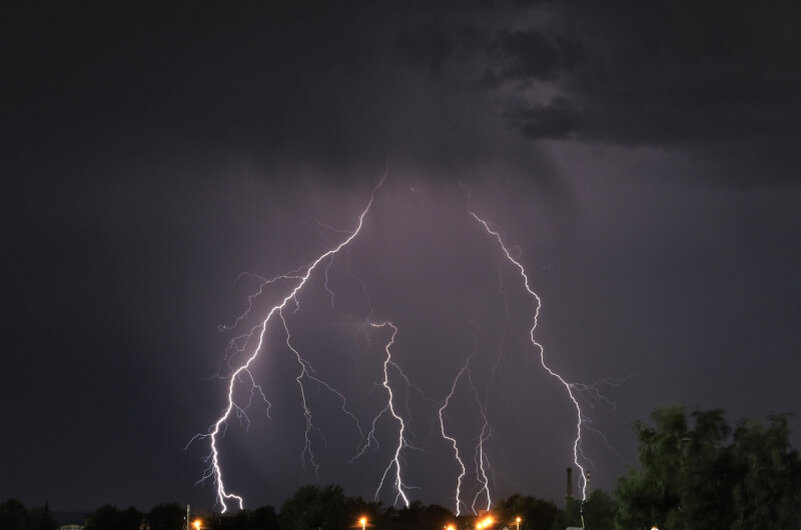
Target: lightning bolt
x: 307, y: 372
x: 290, y: 285
x: 322, y: 226
x: 218, y: 428
x: 593, y: 395
x: 480, y: 455
x: 539, y: 348
x: 452, y: 440
x: 395, y: 461
x: 480, y: 460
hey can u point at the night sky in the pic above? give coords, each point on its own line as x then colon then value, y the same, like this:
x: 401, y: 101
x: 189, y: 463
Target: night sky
x: 641, y: 160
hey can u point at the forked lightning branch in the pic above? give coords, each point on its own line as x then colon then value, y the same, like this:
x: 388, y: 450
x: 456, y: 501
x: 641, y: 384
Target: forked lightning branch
x: 242, y: 379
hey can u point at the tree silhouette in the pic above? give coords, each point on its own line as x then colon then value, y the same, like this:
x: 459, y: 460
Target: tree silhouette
x: 108, y: 517
x: 696, y: 475
x: 312, y: 508
x: 166, y: 516
x: 596, y: 513
x: 264, y: 518
x: 13, y: 515
x: 41, y: 518
x: 534, y: 513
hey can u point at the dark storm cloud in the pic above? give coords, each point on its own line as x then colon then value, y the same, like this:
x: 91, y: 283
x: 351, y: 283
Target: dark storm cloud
x: 322, y: 84
x: 557, y: 120
x: 691, y: 77
x: 529, y: 54
x: 426, y: 45
x: 669, y: 72
x: 249, y: 79
x: 336, y: 85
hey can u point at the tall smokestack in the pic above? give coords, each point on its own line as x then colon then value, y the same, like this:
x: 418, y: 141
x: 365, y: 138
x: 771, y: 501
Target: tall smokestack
x: 570, y: 483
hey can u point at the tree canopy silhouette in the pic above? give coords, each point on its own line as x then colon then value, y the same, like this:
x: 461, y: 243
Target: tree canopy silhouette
x: 699, y: 473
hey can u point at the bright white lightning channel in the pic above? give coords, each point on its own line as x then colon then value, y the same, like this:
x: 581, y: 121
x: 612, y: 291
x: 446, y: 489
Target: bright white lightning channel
x: 480, y: 455
x: 441, y: 415
x: 395, y: 461
x: 568, y: 386
x: 218, y: 427
x: 306, y: 372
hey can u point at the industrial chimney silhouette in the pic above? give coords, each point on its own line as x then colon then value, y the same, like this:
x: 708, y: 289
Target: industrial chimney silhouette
x: 569, y: 483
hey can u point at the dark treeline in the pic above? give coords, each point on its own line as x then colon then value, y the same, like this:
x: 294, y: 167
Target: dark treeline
x: 15, y: 516
x: 696, y: 472
x: 310, y: 508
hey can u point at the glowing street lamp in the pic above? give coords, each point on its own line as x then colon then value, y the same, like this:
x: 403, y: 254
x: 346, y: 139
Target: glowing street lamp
x: 363, y: 522
x: 517, y: 522
x: 485, y: 523
x: 196, y: 524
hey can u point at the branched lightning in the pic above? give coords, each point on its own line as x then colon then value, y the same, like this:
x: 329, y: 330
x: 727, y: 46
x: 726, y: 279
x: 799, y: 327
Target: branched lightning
x: 307, y: 372
x: 538, y: 347
x: 480, y: 456
x: 263, y: 284
x: 592, y: 395
x: 395, y: 462
x: 592, y: 392
x: 452, y: 440
x: 307, y: 452
x: 244, y: 349
x: 325, y: 285
x: 217, y: 429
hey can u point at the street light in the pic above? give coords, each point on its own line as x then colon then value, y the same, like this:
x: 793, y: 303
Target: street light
x: 517, y: 522
x: 363, y: 522
x: 196, y: 524
x: 485, y: 523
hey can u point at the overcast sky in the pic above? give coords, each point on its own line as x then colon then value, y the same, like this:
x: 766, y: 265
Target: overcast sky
x: 639, y: 158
